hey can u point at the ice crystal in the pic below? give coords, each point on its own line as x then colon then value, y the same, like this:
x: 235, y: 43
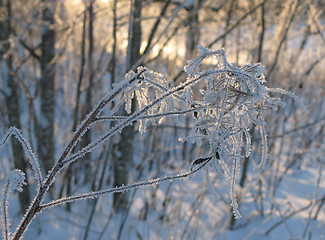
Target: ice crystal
x: 17, y: 180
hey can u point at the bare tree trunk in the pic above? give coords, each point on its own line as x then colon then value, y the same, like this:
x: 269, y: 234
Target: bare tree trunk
x: 136, y: 33
x: 12, y: 101
x: 47, y: 91
x: 113, y: 61
x: 67, y: 178
x: 261, y: 31
x: 229, y: 15
x: 81, y: 73
x: 125, y: 146
x: 88, y: 100
x: 193, y: 32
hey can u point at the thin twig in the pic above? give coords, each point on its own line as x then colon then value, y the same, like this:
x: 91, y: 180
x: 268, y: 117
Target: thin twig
x: 314, y: 199
x: 318, y: 121
x: 96, y: 194
x: 267, y: 232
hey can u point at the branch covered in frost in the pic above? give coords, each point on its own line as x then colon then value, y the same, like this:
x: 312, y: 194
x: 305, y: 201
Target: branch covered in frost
x: 232, y: 98
x: 135, y: 117
x: 123, y: 188
x: 92, y: 116
x: 235, y: 172
x: 264, y: 148
x: 5, y: 225
x: 14, y: 182
x: 158, y: 115
x: 290, y: 94
x: 27, y: 149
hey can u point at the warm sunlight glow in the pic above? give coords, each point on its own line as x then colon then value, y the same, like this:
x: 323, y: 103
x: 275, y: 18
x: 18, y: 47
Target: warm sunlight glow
x: 155, y: 50
x: 169, y: 50
x: 74, y: 2
x: 80, y: 2
x: 143, y: 46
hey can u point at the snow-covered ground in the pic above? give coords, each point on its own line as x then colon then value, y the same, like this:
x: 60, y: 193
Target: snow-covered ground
x: 189, y: 210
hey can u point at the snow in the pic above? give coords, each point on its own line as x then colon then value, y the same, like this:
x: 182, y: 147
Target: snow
x: 295, y: 192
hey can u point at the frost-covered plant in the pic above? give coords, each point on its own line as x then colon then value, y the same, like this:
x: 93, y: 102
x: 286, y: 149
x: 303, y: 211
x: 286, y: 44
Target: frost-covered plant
x: 230, y: 98
x: 14, y: 182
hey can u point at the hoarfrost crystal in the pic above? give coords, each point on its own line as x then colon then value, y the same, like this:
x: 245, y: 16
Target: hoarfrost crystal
x: 17, y: 180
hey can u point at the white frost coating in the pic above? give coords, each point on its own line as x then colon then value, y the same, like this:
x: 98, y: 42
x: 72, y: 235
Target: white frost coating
x: 291, y: 94
x: 232, y: 98
x: 86, y: 123
x: 4, y: 218
x: 16, y: 180
x: 128, y: 95
x: 193, y: 64
x: 27, y: 149
x: 203, y: 51
x: 123, y: 188
x: 234, y: 203
x: 248, y: 146
x: 264, y: 148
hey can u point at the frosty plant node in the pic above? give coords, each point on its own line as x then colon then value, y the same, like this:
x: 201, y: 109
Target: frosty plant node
x: 223, y: 100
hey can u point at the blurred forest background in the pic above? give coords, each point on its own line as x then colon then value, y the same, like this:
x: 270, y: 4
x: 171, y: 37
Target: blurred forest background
x: 58, y: 58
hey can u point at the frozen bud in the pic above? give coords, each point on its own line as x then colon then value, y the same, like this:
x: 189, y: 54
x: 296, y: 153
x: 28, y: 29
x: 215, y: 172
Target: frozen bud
x: 17, y: 180
x: 203, y: 51
x: 260, y: 70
